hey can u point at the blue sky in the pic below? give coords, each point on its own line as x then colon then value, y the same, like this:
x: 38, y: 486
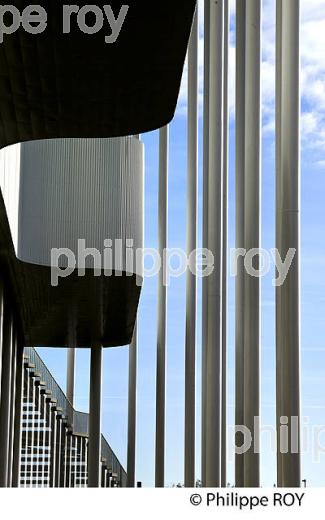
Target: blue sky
x: 313, y: 275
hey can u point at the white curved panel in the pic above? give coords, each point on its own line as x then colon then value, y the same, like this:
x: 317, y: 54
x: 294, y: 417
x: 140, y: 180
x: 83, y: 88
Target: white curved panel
x: 71, y: 189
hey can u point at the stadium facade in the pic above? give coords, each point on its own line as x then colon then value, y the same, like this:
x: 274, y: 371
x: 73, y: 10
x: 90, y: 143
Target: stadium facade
x: 54, y: 444
x: 71, y: 112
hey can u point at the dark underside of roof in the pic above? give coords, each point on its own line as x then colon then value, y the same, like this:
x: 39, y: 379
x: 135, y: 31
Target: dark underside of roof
x: 92, y: 310
x: 56, y: 85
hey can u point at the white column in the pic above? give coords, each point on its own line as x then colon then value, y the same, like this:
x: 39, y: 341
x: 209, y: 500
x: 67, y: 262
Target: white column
x: 71, y: 355
x: 239, y: 282
x: 252, y: 202
x: 65, y: 454
x: 52, y: 469
x: 132, y: 405
x: 71, y: 360
x: 80, y: 476
x: 192, y: 180
x: 132, y: 408
x: 86, y: 463
x: 39, y: 435
x: 26, y: 420
x: 94, y: 448
x: 162, y: 304
x: 60, y: 438
x: 288, y: 236
x: 32, y: 427
x: 46, y: 474
x: 215, y: 200
x: 225, y: 252
x: 205, y: 234
x: 248, y: 184
x: 18, y: 415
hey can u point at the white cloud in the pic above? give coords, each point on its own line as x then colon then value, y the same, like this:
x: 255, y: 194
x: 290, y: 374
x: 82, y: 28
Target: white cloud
x: 309, y: 122
x: 312, y: 9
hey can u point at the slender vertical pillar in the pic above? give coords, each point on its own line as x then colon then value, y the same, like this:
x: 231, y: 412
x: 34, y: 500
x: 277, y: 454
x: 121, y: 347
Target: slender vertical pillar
x: 59, y: 441
x: 132, y: 403
x: 71, y: 449
x: 76, y: 461
x: 239, y: 282
x: 252, y: 202
x: 80, y: 451
x: 103, y: 475
x: 225, y: 251
x: 162, y: 304
x: 32, y: 432
x: 86, y: 463
x: 83, y: 470
x: 215, y: 200
x: 52, y: 455
x: 25, y: 411
x: 109, y: 478
x: 95, y: 417
x: 33, y: 427
x: 18, y: 415
x: 29, y: 424
x: 64, y: 454
x: 192, y: 179
x: 205, y: 234
x: 64, y: 436
x: 288, y: 237
x: 248, y: 184
x: 37, y: 459
x: 47, y: 443
x: 12, y: 407
x: 5, y: 397
x: 68, y: 459
x: 71, y: 355
x: 43, y: 425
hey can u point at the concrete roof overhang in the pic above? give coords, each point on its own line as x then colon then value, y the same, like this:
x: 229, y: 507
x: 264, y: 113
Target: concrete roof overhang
x: 55, y: 85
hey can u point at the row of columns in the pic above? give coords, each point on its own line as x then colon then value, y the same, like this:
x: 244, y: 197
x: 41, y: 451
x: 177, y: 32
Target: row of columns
x: 95, y: 468
x: 42, y: 433
x: 11, y: 360
x: 52, y: 455
x: 214, y: 291
x: 248, y: 232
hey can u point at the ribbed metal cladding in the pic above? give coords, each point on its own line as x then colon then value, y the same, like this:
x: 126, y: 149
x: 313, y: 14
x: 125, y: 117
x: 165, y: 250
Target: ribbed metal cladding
x: 72, y: 189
